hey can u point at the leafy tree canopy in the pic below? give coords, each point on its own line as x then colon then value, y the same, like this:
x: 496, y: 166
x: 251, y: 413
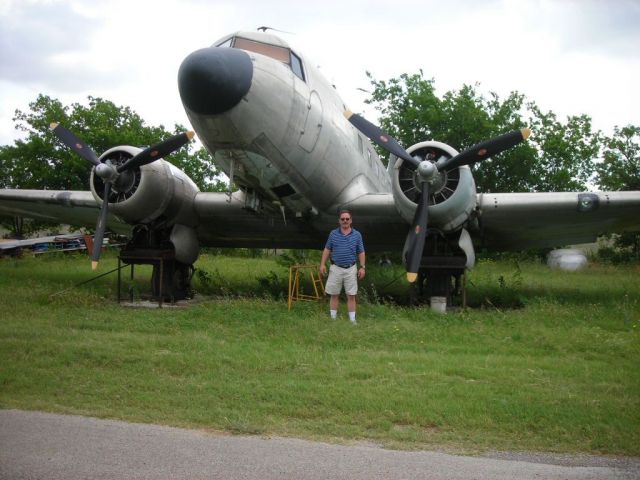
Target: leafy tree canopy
x: 620, y: 168
x: 558, y: 156
x: 40, y: 161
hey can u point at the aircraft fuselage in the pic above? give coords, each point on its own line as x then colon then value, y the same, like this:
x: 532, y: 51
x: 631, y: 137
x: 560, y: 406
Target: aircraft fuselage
x: 285, y: 141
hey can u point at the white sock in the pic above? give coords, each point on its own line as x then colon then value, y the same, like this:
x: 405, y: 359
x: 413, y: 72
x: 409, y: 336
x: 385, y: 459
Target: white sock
x: 334, y: 314
x: 352, y: 316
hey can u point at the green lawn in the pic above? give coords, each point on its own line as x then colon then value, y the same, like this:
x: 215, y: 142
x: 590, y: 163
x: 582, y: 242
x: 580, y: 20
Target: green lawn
x: 544, y: 360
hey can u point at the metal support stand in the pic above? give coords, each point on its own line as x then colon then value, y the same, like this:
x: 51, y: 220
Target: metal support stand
x: 464, y: 290
x: 146, y: 257
x: 294, y: 284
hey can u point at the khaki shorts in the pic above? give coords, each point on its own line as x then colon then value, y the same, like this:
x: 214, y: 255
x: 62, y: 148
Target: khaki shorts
x: 339, y: 277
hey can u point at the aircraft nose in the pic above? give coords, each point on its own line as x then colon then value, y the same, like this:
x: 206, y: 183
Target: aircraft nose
x: 213, y: 80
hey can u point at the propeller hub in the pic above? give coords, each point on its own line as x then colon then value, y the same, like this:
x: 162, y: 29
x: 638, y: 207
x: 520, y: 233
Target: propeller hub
x: 106, y: 172
x: 426, y: 171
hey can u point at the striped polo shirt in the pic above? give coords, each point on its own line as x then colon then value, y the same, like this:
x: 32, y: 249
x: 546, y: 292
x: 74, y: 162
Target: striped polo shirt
x: 344, y: 248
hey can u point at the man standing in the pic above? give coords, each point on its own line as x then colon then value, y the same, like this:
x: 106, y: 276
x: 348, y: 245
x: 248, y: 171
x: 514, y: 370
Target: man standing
x: 344, y: 245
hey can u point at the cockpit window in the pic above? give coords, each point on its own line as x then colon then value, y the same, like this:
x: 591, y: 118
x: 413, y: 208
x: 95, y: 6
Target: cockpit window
x: 296, y: 65
x: 226, y: 43
x: 281, y: 54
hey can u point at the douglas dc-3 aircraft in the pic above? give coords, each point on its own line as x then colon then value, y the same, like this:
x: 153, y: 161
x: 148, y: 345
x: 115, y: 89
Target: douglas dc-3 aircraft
x: 281, y: 132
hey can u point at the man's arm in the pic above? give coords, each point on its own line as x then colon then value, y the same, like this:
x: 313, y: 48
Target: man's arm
x: 363, y: 262
x: 323, y: 263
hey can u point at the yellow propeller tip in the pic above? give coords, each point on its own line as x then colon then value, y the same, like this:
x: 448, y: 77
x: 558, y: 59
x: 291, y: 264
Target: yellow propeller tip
x: 525, y: 133
x: 191, y: 134
x: 94, y: 265
x: 412, y: 277
x: 53, y: 125
x: 348, y: 114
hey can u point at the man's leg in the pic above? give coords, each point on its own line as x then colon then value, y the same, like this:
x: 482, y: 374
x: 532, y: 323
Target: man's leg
x: 351, y: 306
x: 332, y: 288
x: 333, y: 306
x: 351, y: 289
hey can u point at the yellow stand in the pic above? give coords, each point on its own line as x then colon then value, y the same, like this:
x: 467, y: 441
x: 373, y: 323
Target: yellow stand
x: 294, y: 284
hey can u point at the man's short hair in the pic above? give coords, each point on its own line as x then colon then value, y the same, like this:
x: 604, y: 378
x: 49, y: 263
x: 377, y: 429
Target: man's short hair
x: 344, y: 210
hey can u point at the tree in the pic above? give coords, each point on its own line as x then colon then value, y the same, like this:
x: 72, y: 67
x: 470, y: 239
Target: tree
x: 620, y: 170
x: 558, y: 156
x: 40, y: 161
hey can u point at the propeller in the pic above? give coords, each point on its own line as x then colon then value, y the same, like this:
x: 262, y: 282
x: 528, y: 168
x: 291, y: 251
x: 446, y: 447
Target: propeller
x: 154, y: 152
x: 486, y: 149
x: 110, y: 173
x: 427, y: 172
x: 376, y: 135
x: 418, y: 234
x: 74, y: 143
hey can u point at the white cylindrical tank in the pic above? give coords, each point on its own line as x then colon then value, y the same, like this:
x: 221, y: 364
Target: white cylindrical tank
x: 568, y: 259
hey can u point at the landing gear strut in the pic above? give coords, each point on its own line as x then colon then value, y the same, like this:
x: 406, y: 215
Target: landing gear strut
x: 175, y: 282
x: 442, y: 268
x: 171, y: 279
x: 441, y: 284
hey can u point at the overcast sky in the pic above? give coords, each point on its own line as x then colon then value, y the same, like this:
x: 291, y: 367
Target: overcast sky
x: 570, y: 56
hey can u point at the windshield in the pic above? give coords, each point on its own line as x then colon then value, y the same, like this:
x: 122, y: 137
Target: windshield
x: 282, y: 54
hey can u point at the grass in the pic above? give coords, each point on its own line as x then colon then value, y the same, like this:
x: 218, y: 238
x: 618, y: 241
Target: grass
x: 544, y: 361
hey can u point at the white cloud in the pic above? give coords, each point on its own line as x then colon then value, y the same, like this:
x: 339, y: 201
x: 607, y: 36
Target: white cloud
x: 46, y: 44
x: 569, y: 56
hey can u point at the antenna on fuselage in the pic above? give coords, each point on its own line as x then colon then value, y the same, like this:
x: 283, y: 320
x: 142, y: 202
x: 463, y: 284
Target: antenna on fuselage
x: 264, y: 29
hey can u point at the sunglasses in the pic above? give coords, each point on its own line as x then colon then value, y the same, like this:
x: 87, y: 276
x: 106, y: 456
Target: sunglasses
x: 345, y: 219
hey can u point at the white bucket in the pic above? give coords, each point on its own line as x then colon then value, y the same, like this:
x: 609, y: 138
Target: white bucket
x: 438, y: 304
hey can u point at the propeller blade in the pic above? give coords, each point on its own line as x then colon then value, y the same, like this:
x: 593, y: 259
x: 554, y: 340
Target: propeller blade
x: 379, y: 137
x: 157, y: 151
x: 98, y: 237
x: 486, y: 149
x: 74, y: 143
x: 417, y: 235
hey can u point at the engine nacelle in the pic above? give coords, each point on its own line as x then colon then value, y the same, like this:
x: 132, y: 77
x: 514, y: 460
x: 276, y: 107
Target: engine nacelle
x: 452, y: 196
x: 157, y: 194
x: 155, y: 191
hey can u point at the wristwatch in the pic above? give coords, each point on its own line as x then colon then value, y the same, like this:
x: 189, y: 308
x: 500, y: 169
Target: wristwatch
x: 362, y: 266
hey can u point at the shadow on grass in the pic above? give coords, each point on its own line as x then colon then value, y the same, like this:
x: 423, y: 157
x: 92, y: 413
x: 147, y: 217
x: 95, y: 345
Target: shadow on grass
x: 492, y: 285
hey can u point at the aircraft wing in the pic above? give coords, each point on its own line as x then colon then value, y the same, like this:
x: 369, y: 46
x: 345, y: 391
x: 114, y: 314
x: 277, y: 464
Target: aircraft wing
x: 512, y: 221
x: 76, y: 208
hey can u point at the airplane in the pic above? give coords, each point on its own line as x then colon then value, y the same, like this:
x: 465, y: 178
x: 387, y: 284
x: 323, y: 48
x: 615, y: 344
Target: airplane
x: 280, y: 131
x: 49, y: 243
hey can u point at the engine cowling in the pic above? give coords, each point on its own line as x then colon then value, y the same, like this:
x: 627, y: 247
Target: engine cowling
x: 452, y: 196
x: 156, y: 191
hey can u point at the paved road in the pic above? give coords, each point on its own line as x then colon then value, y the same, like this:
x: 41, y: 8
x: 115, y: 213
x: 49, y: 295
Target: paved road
x: 35, y: 445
